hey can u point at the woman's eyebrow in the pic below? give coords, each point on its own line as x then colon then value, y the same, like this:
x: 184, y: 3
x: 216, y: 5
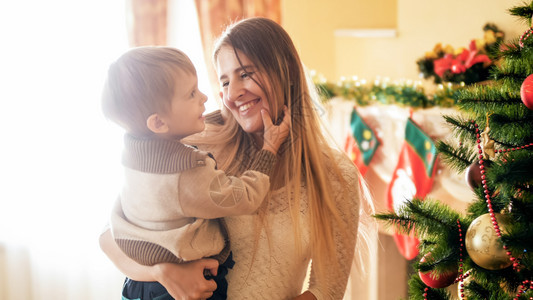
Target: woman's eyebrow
x: 239, y: 69
x: 244, y: 68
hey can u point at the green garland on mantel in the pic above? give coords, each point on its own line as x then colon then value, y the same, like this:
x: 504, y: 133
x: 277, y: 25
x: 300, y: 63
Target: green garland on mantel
x: 407, y: 93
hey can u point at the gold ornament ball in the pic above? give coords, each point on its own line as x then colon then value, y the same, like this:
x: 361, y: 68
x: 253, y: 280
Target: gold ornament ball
x: 483, y: 245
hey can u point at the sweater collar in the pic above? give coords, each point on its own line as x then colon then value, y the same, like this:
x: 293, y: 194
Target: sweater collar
x: 159, y: 155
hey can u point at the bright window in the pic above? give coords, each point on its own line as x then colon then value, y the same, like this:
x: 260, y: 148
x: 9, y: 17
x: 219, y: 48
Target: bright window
x: 60, y: 159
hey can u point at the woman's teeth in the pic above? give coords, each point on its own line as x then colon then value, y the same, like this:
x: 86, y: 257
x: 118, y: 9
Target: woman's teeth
x: 247, y: 105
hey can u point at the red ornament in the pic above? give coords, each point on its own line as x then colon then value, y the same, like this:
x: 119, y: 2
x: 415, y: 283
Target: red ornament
x: 526, y: 92
x: 473, y: 175
x: 438, y: 281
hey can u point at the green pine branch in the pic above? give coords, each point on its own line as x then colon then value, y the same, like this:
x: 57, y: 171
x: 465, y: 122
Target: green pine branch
x: 508, y: 49
x: 462, y: 128
x: 417, y: 290
x: 475, y: 290
x: 519, y: 237
x: 442, y: 258
x: 435, y: 224
x: 498, y: 99
x: 479, y: 207
x: 522, y: 205
x: 508, y: 79
x: 525, y: 12
x: 515, y: 169
x: 516, y: 65
x: 457, y: 159
x: 511, y: 131
x: 403, y: 224
x: 432, y: 217
x: 497, y: 284
x: 509, y: 127
x: 422, y: 216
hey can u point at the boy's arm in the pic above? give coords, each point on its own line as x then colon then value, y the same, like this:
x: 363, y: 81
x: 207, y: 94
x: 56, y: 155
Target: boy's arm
x: 216, y: 195
x: 208, y: 193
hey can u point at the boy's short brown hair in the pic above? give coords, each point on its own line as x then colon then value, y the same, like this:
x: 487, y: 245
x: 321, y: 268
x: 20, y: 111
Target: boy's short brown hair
x: 142, y: 82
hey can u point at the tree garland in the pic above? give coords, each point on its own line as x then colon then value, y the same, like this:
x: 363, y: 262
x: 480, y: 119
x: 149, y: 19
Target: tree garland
x: 407, y: 93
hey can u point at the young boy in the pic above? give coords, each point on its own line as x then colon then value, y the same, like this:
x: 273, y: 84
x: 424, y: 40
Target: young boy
x: 173, y: 194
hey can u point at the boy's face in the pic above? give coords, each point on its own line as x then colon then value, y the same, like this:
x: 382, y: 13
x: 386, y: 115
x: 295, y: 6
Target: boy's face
x: 185, y: 116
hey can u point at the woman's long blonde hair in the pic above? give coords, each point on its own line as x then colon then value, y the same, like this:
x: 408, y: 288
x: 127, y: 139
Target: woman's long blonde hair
x: 272, y: 51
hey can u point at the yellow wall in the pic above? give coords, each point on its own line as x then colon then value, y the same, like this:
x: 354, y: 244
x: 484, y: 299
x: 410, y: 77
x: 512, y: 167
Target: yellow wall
x: 420, y: 24
x: 311, y: 25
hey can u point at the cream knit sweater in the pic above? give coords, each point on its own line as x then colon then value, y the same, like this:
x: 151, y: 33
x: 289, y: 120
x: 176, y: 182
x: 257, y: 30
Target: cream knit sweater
x: 276, y: 270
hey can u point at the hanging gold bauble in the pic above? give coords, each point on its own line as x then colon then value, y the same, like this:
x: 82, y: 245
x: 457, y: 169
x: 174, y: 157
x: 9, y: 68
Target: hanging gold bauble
x: 483, y: 245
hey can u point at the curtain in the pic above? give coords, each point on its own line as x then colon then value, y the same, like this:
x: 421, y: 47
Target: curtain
x: 147, y: 22
x: 214, y: 16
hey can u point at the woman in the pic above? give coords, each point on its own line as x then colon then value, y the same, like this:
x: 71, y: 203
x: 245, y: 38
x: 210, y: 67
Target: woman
x: 312, y: 209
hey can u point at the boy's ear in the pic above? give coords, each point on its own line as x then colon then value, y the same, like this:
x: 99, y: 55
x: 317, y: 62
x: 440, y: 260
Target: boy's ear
x: 156, y: 124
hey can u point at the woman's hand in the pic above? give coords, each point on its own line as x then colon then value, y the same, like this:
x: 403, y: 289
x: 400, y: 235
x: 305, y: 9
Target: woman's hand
x: 275, y: 135
x: 186, y: 281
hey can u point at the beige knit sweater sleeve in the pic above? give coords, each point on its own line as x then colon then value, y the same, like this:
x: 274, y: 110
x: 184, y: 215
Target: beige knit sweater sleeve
x: 205, y: 192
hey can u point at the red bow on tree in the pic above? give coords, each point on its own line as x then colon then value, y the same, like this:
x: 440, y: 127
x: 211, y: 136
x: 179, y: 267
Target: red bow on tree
x: 460, y: 63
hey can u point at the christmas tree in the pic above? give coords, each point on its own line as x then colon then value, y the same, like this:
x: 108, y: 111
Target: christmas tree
x: 486, y: 249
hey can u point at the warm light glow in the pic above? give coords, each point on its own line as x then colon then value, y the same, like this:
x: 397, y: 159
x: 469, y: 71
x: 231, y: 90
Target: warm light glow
x: 61, y: 166
x: 60, y: 159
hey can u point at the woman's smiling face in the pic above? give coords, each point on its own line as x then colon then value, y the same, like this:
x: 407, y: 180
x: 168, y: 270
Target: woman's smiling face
x: 240, y: 93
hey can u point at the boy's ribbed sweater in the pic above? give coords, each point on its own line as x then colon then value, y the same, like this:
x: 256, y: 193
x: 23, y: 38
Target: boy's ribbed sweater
x: 172, y: 198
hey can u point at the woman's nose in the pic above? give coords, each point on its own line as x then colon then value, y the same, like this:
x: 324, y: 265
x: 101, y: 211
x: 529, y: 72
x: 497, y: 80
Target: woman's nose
x: 235, y: 91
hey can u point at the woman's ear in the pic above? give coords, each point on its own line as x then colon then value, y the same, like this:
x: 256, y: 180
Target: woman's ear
x: 156, y: 124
